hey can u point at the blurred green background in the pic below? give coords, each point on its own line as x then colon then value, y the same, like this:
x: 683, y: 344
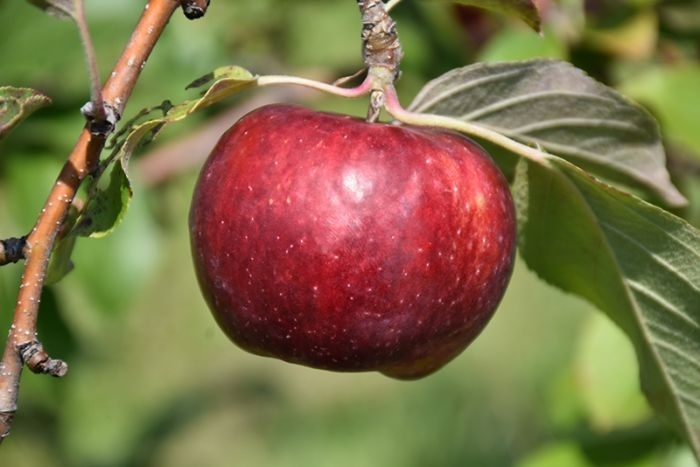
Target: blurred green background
x: 152, y: 380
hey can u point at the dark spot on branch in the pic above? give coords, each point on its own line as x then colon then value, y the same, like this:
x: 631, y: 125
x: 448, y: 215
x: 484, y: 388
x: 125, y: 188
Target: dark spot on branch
x: 194, y: 9
x: 101, y: 123
x: 12, y: 250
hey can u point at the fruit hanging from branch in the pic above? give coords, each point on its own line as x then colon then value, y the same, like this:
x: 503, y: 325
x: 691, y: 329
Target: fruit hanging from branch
x: 332, y: 242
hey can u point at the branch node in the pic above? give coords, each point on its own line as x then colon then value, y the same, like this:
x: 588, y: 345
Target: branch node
x: 194, y: 9
x: 12, y: 250
x: 38, y: 361
x: 100, y: 126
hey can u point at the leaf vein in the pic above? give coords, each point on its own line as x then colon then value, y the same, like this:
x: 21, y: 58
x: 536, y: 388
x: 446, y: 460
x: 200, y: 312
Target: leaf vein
x: 452, y: 90
x: 689, y: 399
x: 680, y: 354
x: 652, y: 295
x: 533, y: 96
x: 609, y: 160
x: 655, y: 257
x: 576, y: 122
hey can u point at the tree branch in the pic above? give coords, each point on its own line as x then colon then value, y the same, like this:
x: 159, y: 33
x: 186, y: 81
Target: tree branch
x: 380, y: 41
x: 91, y: 60
x: 22, y: 345
x: 381, y: 52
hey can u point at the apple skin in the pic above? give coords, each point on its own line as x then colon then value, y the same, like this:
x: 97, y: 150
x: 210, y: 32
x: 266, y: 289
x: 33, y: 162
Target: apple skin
x: 331, y: 242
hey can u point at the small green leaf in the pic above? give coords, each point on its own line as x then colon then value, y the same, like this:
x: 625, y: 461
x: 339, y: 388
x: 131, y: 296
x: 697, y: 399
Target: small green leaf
x: 226, y: 82
x: 229, y: 72
x: 527, y: 10
x: 16, y: 104
x: 557, y: 107
x: 60, y: 263
x: 63, y: 9
x: 635, y: 262
x: 105, y: 207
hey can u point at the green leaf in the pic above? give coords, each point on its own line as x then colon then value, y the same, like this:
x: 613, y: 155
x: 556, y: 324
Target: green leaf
x: 60, y: 263
x: 16, y: 104
x: 634, y: 261
x: 226, y: 82
x: 527, y: 10
x: 63, y: 9
x: 107, y: 205
x: 557, y: 107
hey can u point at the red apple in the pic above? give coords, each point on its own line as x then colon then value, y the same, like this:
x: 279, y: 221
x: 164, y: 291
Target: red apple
x: 324, y: 240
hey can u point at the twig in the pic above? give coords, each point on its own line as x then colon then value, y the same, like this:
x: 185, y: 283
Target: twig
x: 380, y: 41
x: 381, y: 52
x: 22, y: 345
x: 95, y: 91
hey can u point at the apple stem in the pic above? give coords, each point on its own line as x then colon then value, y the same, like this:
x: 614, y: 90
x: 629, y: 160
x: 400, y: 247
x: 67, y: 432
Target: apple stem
x: 379, y: 83
x: 381, y: 53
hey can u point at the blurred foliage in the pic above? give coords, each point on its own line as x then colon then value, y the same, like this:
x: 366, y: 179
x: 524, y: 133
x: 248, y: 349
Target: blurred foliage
x: 152, y: 380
